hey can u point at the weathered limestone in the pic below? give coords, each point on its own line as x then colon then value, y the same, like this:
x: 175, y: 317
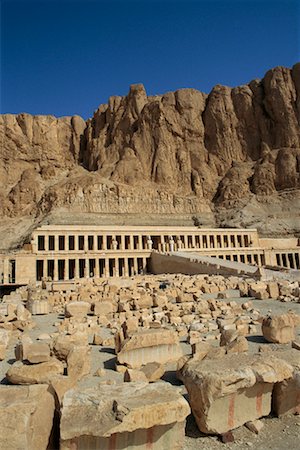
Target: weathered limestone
x: 26, y: 417
x: 286, y: 395
x: 160, y: 345
x: 234, y: 391
x: 64, y: 343
x: 77, y: 309
x: 42, y: 373
x: 79, y: 361
x: 279, y: 329
x: 128, y: 416
x: 153, y: 371
x: 38, y: 307
x: 32, y: 352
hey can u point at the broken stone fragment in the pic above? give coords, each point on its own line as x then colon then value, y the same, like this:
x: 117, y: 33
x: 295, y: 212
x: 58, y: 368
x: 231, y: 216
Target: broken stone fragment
x: 153, y: 371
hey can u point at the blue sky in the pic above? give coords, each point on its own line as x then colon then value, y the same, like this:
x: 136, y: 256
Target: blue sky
x: 66, y: 57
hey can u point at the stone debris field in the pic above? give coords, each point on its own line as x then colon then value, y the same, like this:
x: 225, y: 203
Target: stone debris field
x: 150, y: 362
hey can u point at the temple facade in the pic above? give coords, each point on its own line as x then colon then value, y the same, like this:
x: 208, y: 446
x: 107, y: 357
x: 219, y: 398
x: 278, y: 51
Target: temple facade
x: 62, y: 252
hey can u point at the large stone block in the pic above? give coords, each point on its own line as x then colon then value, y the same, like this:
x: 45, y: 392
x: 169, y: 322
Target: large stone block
x: 38, y: 307
x: 42, y: 373
x: 286, y: 395
x: 278, y: 329
x: 160, y: 345
x: 77, y: 309
x: 33, y: 352
x: 26, y: 417
x: 226, y: 395
x: 131, y: 416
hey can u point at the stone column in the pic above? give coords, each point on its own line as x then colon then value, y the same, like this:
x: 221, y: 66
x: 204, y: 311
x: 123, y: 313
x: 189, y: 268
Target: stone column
x: 294, y: 261
x: 149, y: 243
x: 6, y: 271
x: 135, y: 266
x: 55, y: 272
x: 86, y: 268
x: 96, y: 270
x: 193, y: 241
x: 66, y: 272
x: 56, y: 243
x: 76, y: 268
x: 179, y: 243
x: 122, y: 242
x: 86, y: 244
x: 106, y: 267
x: 116, y: 270
x: 76, y: 242
x: 145, y: 264
x: 104, y: 242
x: 140, y: 242
x: 131, y: 244
x: 185, y: 242
x: 126, y: 271
x: 171, y: 244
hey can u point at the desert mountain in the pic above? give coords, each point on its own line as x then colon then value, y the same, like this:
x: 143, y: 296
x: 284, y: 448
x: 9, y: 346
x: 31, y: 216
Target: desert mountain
x: 231, y: 158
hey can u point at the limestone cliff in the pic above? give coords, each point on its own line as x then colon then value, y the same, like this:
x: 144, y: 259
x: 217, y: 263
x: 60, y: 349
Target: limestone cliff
x: 183, y: 152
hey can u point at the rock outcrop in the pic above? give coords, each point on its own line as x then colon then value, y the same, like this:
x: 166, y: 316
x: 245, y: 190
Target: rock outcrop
x: 183, y: 152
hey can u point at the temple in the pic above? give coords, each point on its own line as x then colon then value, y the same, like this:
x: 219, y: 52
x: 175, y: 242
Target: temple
x: 62, y: 252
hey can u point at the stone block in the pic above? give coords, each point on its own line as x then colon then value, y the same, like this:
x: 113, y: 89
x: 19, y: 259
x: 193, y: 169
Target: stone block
x: 65, y: 342
x: 160, y: 345
x: 38, y: 307
x: 278, y: 328
x: 26, y: 417
x: 32, y: 352
x: 137, y: 416
x: 42, y: 373
x: 79, y: 362
x: 153, y: 371
x: 226, y: 395
x: 77, y: 309
x: 286, y: 395
x: 104, y: 308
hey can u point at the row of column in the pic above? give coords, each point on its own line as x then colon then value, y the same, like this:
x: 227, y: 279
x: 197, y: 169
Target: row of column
x: 84, y: 268
x: 289, y: 260
x: 140, y: 242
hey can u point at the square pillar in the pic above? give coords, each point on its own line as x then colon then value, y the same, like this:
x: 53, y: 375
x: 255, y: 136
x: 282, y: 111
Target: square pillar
x: 122, y: 242
x: 66, y: 271
x: 55, y: 272
x: 86, y: 266
x: 97, y: 272
x: 76, y: 269
x: 56, y: 243
x: 126, y: 272
x: 116, y: 269
x: 106, y: 268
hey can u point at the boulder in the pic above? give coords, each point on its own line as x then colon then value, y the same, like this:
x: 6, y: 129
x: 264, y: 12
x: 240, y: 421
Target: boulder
x: 123, y: 416
x: 26, y: 417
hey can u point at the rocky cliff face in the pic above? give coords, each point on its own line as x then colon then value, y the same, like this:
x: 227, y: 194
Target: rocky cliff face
x: 182, y: 152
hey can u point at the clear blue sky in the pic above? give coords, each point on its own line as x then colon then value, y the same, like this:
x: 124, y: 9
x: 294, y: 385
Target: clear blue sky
x: 66, y: 57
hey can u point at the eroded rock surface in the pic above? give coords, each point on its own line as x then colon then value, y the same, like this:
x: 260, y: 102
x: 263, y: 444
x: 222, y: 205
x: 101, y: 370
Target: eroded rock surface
x: 182, y: 152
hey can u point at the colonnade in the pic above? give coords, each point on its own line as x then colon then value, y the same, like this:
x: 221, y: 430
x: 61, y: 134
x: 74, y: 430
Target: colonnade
x: 290, y: 260
x: 60, y: 268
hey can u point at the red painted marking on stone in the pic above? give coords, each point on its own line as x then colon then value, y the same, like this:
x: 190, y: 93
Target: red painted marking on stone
x: 112, y: 442
x: 259, y: 403
x: 150, y: 432
x: 230, y: 421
